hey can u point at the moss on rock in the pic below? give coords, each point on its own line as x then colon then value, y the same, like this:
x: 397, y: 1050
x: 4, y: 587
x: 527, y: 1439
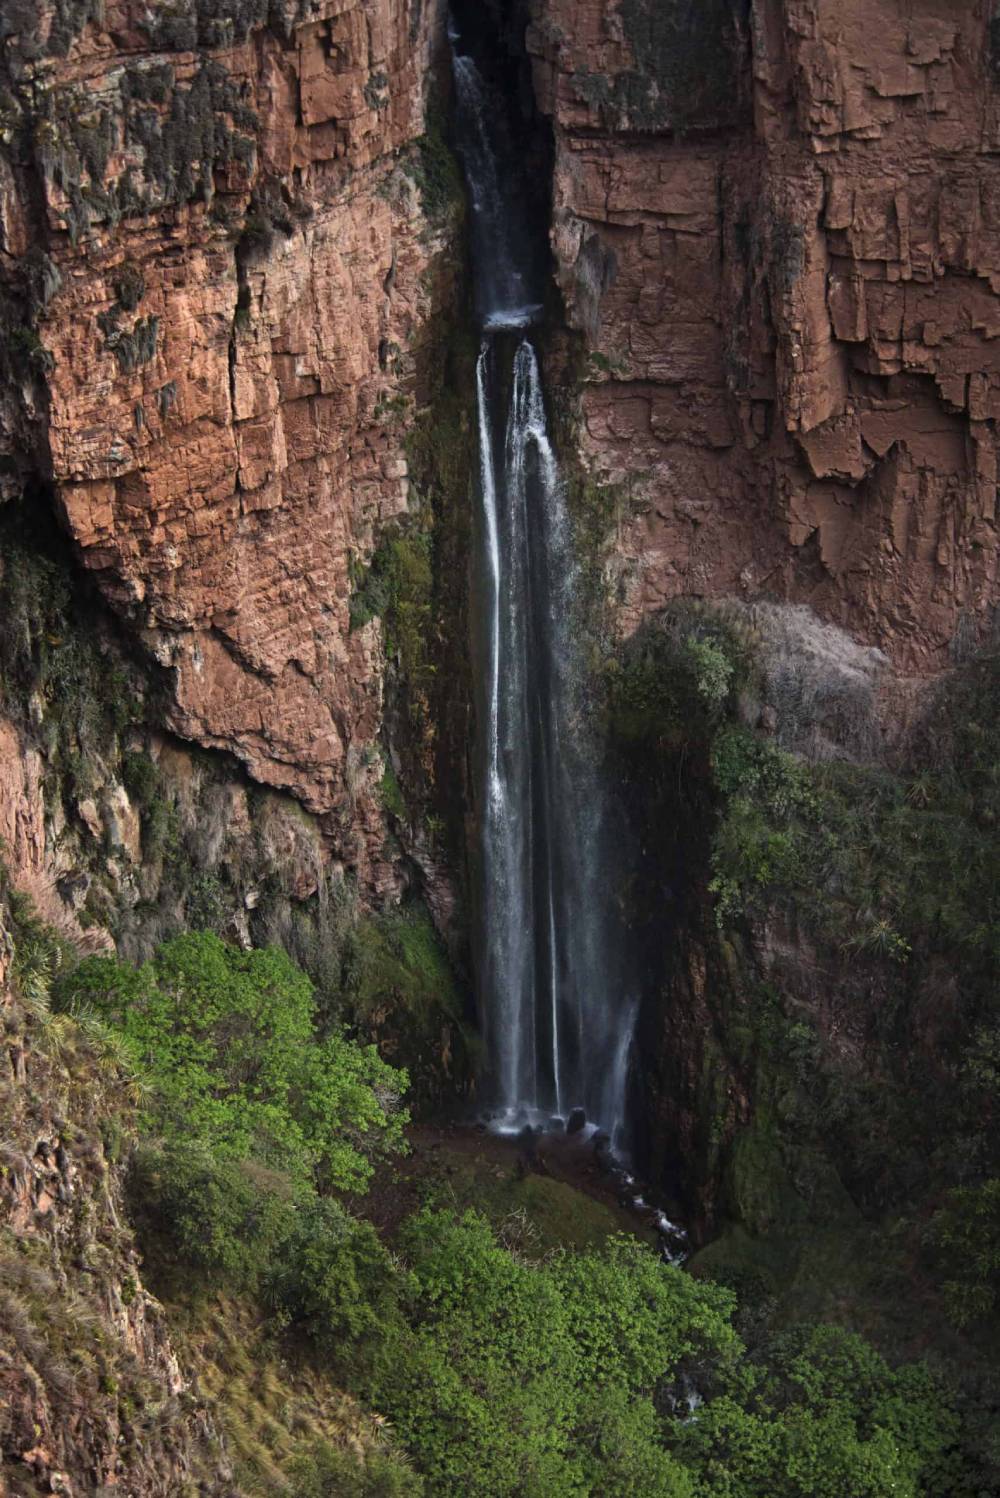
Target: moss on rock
x: 400, y: 990
x: 690, y: 67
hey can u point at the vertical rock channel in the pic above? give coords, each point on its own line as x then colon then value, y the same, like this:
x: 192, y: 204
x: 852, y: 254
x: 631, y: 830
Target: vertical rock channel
x: 557, y: 1027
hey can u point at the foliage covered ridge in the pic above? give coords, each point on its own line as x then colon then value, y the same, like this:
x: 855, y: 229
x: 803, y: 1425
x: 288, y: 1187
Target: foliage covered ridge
x: 502, y: 1369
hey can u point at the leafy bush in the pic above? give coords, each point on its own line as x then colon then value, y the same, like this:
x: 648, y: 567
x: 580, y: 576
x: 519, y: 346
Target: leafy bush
x: 713, y: 670
x: 335, y: 1278
x: 826, y: 1416
x: 228, y: 1040
x: 966, y: 1234
x: 573, y: 1375
x: 478, y: 1386
x: 225, y: 1218
x: 673, y: 684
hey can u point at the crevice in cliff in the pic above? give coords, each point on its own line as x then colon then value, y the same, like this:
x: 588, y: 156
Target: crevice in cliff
x: 29, y: 278
x: 685, y: 1096
x: 493, y: 33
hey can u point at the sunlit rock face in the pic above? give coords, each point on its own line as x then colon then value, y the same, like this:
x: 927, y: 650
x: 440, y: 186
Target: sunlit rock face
x: 774, y: 227
x: 777, y: 228
x: 238, y: 270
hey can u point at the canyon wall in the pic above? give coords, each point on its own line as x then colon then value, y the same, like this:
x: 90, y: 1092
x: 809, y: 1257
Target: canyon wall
x: 776, y: 225
x: 775, y: 228
x: 222, y: 276
x: 231, y: 258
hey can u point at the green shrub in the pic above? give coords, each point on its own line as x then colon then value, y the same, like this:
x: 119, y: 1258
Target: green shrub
x: 572, y: 1376
x: 334, y: 1278
x: 228, y: 1040
x: 673, y: 684
x: 825, y: 1417
x: 477, y: 1388
x: 225, y: 1218
x: 965, y: 1232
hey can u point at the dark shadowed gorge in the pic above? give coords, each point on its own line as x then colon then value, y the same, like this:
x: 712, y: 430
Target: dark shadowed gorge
x: 499, y: 748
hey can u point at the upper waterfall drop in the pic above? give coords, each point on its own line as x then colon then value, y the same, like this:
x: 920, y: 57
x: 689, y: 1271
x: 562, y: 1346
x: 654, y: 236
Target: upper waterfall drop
x: 506, y: 289
x: 557, y: 1026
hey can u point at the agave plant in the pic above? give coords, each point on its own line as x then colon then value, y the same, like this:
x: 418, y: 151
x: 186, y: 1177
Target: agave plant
x: 33, y: 970
x: 879, y: 938
x: 112, y: 1051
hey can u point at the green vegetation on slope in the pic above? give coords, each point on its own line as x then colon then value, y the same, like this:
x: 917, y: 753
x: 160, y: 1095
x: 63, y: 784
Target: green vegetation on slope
x: 249, y: 1112
x: 571, y: 1375
x: 854, y: 943
x: 503, y: 1371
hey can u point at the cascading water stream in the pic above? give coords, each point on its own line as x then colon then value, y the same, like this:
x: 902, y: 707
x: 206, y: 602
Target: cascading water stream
x: 557, y: 1027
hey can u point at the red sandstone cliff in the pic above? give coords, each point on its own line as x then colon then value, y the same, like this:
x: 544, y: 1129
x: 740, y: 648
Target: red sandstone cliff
x: 778, y: 226
x: 774, y: 224
x: 236, y: 272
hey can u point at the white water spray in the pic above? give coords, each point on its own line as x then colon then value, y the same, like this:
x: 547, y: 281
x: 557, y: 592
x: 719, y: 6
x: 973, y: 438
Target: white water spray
x: 557, y: 1030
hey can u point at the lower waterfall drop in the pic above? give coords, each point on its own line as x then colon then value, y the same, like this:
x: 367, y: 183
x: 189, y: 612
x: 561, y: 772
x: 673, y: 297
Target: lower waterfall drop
x: 557, y: 1027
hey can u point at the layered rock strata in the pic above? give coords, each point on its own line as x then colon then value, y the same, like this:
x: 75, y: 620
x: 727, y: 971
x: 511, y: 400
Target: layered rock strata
x: 776, y: 225
x: 234, y: 275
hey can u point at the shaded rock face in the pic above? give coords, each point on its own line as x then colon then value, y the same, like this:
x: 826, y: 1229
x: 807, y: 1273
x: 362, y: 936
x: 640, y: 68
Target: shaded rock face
x: 776, y: 227
x: 237, y: 271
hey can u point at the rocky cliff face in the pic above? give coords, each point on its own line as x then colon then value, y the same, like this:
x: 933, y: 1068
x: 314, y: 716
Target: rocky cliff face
x: 775, y: 232
x: 226, y: 258
x: 221, y: 271
x: 772, y: 226
x: 91, y: 1393
x: 776, y: 226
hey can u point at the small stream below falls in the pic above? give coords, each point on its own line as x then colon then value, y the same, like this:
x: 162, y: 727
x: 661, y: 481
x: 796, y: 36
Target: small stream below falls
x: 557, y: 1024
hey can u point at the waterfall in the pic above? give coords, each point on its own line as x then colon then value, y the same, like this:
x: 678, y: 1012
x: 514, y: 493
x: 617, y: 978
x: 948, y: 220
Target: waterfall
x: 557, y: 1029
x: 500, y: 234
